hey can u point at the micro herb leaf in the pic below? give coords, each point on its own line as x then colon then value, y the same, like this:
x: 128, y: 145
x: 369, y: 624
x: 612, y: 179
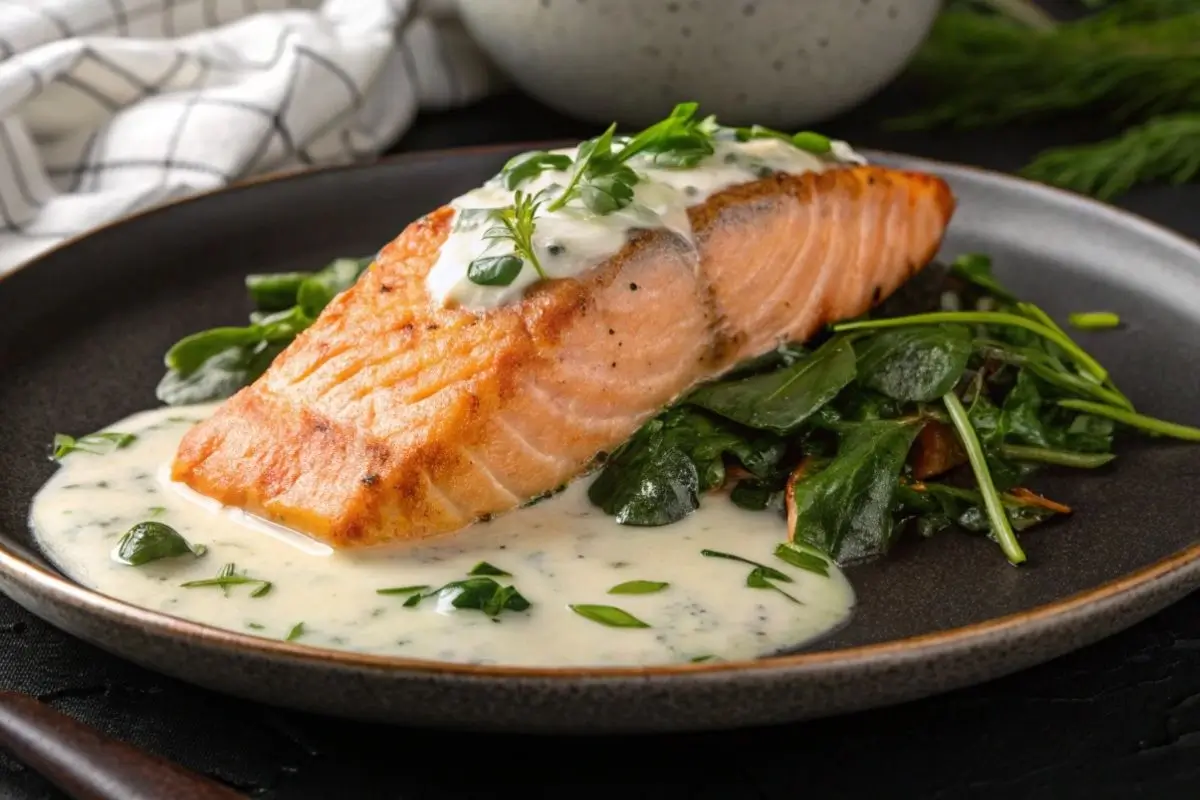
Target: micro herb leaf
x: 226, y: 577
x: 484, y: 568
x: 99, y: 444
x: 639, y: 587
x: 611, y: 616
x: 151, y: 541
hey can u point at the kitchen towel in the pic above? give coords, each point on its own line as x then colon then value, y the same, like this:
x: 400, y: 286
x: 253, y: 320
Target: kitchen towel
x: 108, y: 107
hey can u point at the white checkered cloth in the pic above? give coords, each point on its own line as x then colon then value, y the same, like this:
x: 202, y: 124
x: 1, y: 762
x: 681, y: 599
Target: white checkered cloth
x: 111, y: 106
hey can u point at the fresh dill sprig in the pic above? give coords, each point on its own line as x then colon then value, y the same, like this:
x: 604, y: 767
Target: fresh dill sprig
x: 1165, y: 148
x: 984, y: 70
x: 991, y: 62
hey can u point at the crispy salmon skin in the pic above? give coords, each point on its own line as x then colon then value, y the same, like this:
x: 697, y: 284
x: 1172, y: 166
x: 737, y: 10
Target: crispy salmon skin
x: 393, y: 419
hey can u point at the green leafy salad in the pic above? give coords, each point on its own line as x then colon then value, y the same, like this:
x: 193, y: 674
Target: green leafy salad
x: 934, y: 411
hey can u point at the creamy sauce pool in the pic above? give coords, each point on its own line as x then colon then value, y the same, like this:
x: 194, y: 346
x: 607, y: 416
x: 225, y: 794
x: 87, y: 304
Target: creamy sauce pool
x: 573, y: 239
x: 560, y: 551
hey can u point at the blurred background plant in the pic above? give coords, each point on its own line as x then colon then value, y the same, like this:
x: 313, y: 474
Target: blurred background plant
x: 1133, y: 64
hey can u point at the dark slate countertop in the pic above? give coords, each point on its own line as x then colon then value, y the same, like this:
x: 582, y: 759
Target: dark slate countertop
x: 1119, y: 719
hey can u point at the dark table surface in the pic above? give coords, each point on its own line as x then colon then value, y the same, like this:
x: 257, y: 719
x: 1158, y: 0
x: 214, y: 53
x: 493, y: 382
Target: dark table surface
x: 1118, y: 719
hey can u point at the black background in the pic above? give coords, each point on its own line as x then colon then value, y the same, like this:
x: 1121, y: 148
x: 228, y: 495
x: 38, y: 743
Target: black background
x: 1119, y: 719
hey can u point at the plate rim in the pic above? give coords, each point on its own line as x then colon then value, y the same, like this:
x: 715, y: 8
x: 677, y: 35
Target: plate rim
x: 1178, y: 566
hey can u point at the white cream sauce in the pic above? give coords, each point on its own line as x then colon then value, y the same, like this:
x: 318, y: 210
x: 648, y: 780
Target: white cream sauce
x: 560, y: 551
x: 573, y: 239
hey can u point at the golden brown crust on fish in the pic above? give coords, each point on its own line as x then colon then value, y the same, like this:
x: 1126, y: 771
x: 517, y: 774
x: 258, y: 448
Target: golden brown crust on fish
x: 391, y: 419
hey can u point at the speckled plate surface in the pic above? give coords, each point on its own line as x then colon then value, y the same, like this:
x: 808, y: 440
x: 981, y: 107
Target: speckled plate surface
x: 83, y: 330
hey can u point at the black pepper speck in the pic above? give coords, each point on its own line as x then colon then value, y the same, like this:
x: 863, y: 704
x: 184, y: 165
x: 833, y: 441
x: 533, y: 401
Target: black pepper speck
x: 633, y: 287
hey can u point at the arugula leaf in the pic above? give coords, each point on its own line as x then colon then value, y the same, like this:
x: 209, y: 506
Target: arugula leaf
x: 151, y: 541
x: 528, y: 166
x: 915, y: 365
x: 100, y: 443
x: 843, y: 506
x: 780, y: 401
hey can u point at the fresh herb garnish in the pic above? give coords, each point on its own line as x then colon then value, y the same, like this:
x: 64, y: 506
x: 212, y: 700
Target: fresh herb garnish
x: 804, y: 140
x: 228, y: 576
x: 295, y: 633
x: 1094, y: 320
x: 769, y: 572
x: 99, y: 444
x: 484, y: 568
x: 151, y: 541
x: 639, y: 587
x: 513, y: 224
x: 611, y: 616
x: 528, y: 166
x: 477, y: 593
x: 403, y: 589
x: 1150, y: 425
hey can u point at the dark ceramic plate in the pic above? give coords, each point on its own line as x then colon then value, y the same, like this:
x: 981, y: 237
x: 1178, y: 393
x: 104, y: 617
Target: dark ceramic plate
x: 83, y: 330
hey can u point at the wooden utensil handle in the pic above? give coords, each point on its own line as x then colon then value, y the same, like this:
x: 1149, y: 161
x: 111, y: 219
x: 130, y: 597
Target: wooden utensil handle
x: 89, y: 766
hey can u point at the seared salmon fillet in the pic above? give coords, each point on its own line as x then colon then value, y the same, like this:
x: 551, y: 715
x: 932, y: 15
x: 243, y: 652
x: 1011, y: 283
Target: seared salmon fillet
x: 392, y: 418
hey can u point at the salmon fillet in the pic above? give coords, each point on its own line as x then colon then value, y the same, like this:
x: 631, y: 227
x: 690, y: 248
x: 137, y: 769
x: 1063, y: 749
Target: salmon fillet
x: 391, y: 419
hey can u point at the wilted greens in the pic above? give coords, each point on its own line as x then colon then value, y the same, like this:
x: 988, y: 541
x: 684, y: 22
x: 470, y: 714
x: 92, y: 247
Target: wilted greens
x: 914, y: 419
x: 213, y: 364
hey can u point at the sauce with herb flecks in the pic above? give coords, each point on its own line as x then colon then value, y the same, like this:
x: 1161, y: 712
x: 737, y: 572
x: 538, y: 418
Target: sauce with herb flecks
x: 562, y: 556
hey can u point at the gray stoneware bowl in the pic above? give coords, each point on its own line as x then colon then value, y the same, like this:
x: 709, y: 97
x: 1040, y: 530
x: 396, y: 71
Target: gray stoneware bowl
x: 83, y: 330
x: 783, y: 63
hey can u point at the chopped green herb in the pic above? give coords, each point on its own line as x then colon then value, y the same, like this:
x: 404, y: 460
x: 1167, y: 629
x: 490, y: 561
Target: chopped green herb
x: 758, y: 579
x: 254, y: 626
x: 768, y: 572
x: 608, y: 615
x: 1094, y: 320
x: 156, y: 511
x: 701, y: 659
x: 484, y: 568
x: 639, y: 587
x: 151, y: 541
x: 477, y: 593
x: 227, y: 577
x: 295, y: 633
x: 99, y: 444
x: 402, y: 589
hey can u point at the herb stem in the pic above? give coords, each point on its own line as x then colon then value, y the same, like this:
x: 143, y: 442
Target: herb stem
x: 1076, y: 352
x: 1156, y: 427
x: 1053, y: 375
x: 997, y: 516
x: 1061, y: 458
